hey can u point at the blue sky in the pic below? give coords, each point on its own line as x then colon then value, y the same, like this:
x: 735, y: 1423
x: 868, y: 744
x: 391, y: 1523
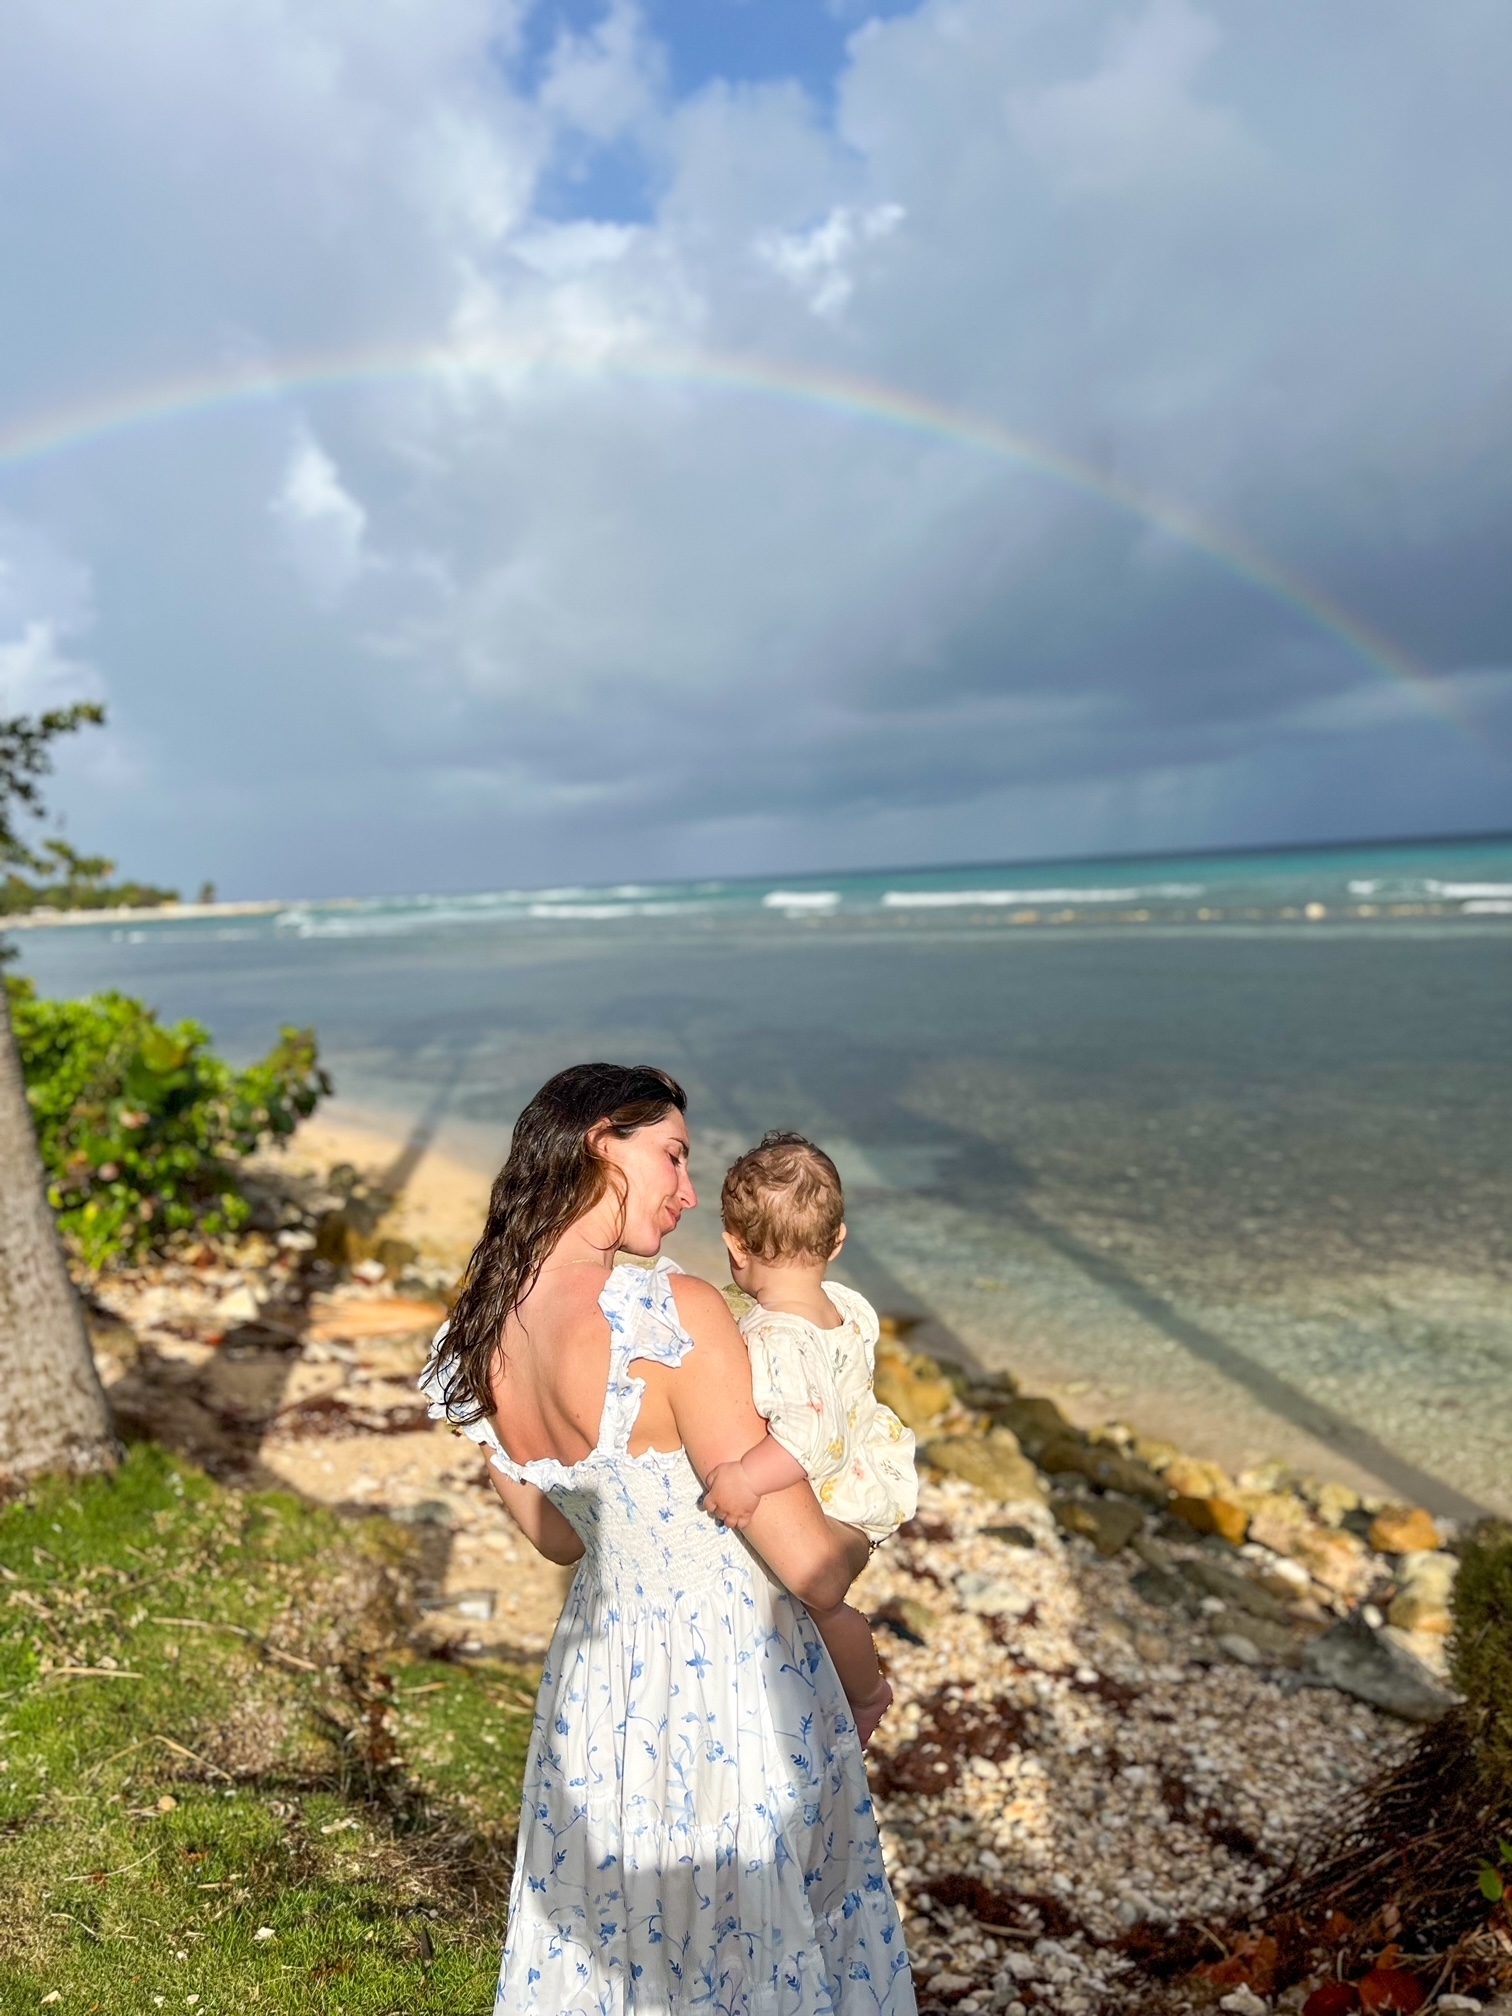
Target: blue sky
x: 600, y: 576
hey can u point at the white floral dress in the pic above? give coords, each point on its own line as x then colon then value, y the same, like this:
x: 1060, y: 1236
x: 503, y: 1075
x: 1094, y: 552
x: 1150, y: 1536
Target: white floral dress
x: 696, y: 1831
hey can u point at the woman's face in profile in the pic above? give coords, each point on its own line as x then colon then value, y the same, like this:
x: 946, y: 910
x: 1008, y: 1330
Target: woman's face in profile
x: 654, y: 1164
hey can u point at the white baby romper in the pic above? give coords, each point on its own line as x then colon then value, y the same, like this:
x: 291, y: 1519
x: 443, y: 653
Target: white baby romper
x: 696, y: 1831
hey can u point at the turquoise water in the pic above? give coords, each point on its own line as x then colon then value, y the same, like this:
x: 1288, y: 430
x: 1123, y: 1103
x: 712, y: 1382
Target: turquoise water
x: 1456, y: 878
x: 1155, y: 1133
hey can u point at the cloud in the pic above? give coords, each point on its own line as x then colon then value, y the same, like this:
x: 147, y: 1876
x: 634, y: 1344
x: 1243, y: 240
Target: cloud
x: 1138, y: 122
x: 324, y: 526
x: 818, y: 263
x: 46, y: 602
x: 580, y: 526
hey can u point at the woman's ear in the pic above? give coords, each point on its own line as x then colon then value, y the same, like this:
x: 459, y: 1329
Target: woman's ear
x: 834, y: 1252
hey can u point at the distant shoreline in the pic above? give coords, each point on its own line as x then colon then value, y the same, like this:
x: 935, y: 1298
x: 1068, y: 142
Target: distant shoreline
x: 260, y: 906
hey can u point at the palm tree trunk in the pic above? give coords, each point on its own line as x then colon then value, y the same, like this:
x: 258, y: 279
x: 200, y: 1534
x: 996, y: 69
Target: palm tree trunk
x: 53, y: 1411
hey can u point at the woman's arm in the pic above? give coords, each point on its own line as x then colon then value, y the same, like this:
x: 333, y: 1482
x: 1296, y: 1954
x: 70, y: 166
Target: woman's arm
x: 538, y: 1519
x: 716, y: 1417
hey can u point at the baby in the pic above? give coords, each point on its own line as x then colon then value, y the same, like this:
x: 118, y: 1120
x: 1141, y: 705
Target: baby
x: 813, y: 1345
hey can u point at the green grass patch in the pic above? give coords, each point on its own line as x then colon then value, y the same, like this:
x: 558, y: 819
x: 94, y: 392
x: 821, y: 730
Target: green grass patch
x: 225, y: 1784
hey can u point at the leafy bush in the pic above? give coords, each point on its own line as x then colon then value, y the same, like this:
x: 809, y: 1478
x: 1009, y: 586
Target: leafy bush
x: 141, y: 1125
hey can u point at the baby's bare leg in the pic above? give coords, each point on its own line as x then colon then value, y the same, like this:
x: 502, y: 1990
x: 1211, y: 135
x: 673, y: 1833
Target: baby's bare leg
x: 848, y: 1638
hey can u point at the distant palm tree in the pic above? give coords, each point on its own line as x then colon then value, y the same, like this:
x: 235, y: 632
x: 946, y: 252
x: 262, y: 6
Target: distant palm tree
x: 53, y: 1411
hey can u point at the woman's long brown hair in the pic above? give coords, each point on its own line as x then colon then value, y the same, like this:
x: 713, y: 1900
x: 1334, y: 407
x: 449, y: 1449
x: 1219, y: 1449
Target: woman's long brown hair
x: 550, y: 1179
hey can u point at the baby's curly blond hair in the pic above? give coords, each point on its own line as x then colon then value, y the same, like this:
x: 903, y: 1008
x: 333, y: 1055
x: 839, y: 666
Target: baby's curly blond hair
x: 783, y: 1199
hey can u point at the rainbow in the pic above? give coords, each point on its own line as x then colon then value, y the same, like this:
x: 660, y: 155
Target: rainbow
x: 28, y: 441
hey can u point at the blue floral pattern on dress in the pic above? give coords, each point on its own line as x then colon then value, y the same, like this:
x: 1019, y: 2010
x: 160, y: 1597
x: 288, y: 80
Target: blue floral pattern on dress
x: 696, y: 1831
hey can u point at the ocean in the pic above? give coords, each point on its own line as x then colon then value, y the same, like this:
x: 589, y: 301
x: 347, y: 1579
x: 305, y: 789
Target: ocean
x: 1219, y: 1145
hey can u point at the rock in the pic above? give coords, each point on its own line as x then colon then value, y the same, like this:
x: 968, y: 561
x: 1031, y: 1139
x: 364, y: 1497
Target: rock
x: 1404, y: 1529
x: 1239, y: 1648
x: 1275, y: 1517
x: 1433, y: 1574
x: 946, y: 1983
x: 1332, y: 1501
x: 1150, y: 1449
x: 993, y: 1464
x: 1011, y: 1536
x: 1459, y: 2005
x: 1368, y: 1665
x: 1284, y: 1578
x: 1422, y: 1602
x: 1035, y: 1421
x: 1213, y: 1515
x: 1162, y: 1587
x: 1340, y: 1561
x: 1276, y: 1644
x: 237, y: 1305
x: 984, y: 1596
x: 907, y: 1618
x: 1109, y: 1469
x: 911, y: 1385
x: 1245, y: 2002
x: 1412, y: 1611
x: 1215, y: 1580
x: 988, y: 1390
x: 1109, y: 1523
x: 1191, y: 1477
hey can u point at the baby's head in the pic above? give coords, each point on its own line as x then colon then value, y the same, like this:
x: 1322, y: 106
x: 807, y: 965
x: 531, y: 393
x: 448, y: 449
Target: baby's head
x: 782, y: 1206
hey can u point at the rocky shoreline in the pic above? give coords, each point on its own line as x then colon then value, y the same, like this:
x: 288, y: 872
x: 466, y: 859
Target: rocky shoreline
x: 1129, y: 1686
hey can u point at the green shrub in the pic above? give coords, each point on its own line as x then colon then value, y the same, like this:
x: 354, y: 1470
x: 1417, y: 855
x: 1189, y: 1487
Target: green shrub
x: 141, y: 1125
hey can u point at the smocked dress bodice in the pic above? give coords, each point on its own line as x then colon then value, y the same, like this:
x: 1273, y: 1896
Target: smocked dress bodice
x: 696, y: 1831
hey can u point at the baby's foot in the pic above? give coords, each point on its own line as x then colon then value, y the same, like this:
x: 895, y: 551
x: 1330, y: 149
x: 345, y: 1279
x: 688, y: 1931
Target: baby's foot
x: 869, y: 1713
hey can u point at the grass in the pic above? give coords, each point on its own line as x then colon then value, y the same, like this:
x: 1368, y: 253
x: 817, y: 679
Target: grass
x: 225, y: 1785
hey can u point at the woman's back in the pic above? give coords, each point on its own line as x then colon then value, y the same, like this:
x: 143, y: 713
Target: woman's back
x: 553, y: 1373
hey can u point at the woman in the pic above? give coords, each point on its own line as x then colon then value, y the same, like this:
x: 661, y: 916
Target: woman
x: 696, y: 1828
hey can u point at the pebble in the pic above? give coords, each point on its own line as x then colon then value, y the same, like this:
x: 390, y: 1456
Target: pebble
x: 1125, y: 1767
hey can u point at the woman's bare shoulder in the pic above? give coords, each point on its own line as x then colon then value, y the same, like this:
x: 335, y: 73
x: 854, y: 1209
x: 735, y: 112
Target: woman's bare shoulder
x: 701, y: 1307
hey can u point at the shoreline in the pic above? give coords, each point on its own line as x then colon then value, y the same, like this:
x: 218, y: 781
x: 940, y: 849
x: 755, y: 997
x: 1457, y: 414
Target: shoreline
x: 1083, y: 1362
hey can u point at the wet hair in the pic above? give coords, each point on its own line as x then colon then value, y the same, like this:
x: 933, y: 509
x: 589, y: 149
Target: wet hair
x: 783, y: 1200
x: 550, y: 1179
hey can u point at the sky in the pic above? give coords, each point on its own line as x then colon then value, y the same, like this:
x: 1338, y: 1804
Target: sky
x: 480, y: 443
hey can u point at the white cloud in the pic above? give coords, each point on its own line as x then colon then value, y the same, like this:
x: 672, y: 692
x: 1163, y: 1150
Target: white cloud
x: 324, y: 525
x: 819, y: 263
x: 606, y: 83
x: 36, y: 672
x: 46, y: 602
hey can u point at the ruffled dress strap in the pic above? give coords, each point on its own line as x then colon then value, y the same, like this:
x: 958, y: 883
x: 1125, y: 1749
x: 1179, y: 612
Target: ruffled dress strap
x: 432, y: 1384
x: 641, y: 1312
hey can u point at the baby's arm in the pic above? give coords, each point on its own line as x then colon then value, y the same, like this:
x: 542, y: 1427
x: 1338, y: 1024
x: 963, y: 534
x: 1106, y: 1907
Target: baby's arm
x: 734, y: 1490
